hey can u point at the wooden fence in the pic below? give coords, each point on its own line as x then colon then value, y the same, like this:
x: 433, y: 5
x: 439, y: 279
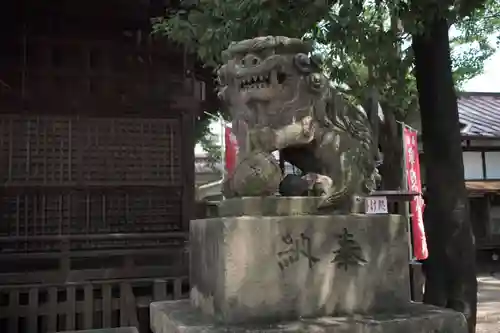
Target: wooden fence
x: 76, y: 306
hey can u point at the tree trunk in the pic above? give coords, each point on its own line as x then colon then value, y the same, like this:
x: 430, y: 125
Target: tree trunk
x: 450, y: 269
x: 391, y: 145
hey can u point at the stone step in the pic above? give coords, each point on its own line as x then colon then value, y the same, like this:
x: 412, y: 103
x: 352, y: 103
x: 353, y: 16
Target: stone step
x: 180, y: 317
x: 107, y: 330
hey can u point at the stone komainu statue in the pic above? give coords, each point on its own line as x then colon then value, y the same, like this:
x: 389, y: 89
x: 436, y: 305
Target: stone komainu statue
x: 280, y: 100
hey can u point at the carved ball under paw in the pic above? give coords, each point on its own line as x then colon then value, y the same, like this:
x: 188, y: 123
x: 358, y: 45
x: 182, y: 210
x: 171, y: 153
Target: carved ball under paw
x: 294, y: 186
x: 257, y: 174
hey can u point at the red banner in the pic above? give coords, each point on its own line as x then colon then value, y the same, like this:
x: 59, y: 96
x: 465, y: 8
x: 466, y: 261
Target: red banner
x: 231, y: 149
x: 417, y: 205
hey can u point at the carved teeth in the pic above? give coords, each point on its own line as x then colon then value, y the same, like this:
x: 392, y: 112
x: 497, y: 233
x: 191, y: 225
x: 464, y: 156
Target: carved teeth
x: 256, y: 82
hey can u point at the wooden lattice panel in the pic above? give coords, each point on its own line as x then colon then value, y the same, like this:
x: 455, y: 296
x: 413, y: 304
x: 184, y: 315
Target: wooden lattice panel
x: 130, y: 150
x: 71, y: 212
x: 39, y: 149
x: 70, y: 150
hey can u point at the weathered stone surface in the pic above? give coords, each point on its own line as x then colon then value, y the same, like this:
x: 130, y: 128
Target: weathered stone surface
x: 269, y: 206
x: 108, y: 330
x: 180, y: 317
x: 260, y: 269
x: 280, y: 99
x: 257, y: 173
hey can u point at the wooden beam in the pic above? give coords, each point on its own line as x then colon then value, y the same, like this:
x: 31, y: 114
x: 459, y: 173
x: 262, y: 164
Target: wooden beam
x: 80, y: 276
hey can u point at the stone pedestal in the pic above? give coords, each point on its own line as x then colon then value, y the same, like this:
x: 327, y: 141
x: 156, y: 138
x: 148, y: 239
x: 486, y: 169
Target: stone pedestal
x: 270, y: 206
x: 271, y: 268
x: 251, y: 271
x: 180, y: 317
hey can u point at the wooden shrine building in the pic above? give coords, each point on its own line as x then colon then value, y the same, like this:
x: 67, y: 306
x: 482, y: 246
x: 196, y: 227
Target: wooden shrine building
x: 96, y: 163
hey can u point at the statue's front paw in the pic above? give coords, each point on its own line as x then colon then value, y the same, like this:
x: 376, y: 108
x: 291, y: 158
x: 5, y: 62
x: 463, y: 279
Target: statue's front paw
x: 308, y: 129
x: 319, y: 185
x: 320, y: 190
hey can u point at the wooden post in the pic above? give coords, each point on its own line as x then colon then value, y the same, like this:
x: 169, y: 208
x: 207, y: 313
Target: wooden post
x: 159, y: 290
x: 71, y: 307
x: 88, y: 307
x: 187, y: 141
x: 52, y: 317
x: 13, y: 306
x: 33, y: 310
x: 106, y: 305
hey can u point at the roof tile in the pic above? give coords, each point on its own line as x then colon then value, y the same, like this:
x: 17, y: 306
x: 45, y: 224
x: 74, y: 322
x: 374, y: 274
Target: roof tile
x: 480, y: 113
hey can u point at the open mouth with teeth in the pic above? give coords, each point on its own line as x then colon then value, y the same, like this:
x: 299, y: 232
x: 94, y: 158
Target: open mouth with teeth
x: 262, y: 81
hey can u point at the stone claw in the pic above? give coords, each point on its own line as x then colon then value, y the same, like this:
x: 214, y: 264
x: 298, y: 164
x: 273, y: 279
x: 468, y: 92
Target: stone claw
x: 308, y: 128
x: 319, y: 185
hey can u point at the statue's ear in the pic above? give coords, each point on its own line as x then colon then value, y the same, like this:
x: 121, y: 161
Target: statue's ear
x: 316, y: 61
x: 302, y: 62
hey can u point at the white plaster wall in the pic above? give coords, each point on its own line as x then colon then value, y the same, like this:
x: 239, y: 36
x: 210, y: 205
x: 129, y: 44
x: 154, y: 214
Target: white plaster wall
x: 473, y: 165
x: 492, y: 159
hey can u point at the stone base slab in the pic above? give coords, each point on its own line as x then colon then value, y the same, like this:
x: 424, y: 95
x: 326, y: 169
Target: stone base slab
x: 260, y: 268
x: 107, y: 330
x: 269, y: 206
x: 180, y: 317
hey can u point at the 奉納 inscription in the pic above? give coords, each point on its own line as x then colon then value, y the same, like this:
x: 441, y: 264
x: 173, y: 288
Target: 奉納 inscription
x: 295, y: 248
x: 349, y: 252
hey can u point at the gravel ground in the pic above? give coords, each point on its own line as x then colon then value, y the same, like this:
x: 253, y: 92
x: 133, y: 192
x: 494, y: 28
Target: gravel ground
x: 488, y: 307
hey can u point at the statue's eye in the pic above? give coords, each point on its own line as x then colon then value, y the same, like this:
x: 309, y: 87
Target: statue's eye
x: 251, y: 60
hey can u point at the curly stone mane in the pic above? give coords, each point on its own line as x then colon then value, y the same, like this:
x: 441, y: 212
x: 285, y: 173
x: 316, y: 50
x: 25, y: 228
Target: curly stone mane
x: 340, y: 113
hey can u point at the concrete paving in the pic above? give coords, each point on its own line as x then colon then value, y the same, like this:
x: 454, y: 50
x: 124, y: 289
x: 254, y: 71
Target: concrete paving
x: 488, y: 307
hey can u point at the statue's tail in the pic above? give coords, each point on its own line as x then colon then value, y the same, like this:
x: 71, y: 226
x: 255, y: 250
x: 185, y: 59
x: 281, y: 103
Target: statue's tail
x: 363, y: 124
